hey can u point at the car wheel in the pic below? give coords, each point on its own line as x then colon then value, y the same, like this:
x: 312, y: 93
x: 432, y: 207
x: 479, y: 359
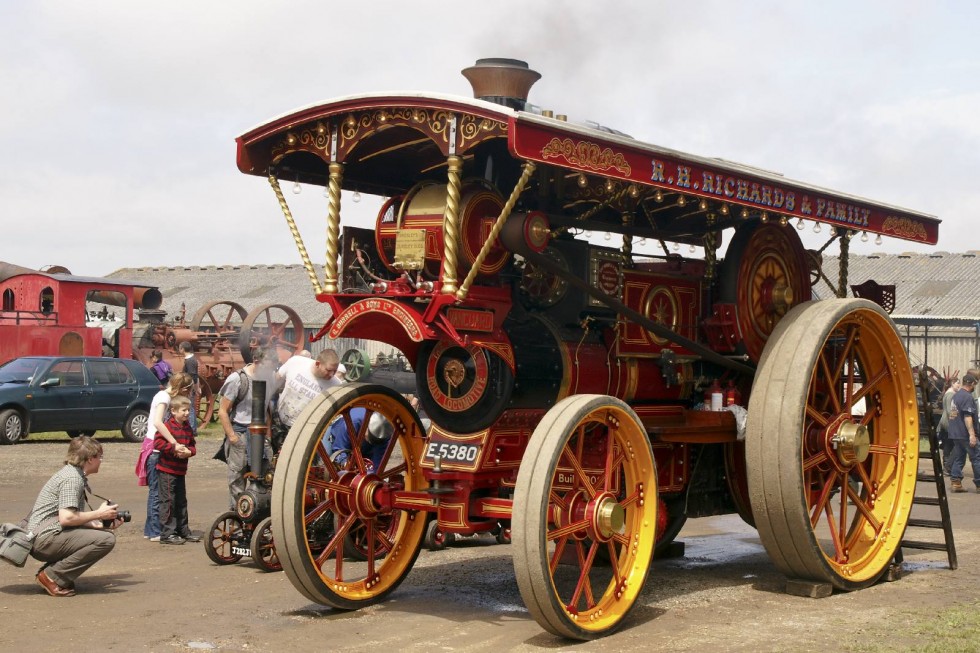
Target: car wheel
x: 11, y: 427
x: 134, y: 428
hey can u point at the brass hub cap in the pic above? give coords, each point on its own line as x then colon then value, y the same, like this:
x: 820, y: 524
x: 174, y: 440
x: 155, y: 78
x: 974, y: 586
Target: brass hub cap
x: 853, y: 442
x: 607, y: 517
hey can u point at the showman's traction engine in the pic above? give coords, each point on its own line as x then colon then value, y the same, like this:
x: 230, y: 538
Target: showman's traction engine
x: 588, y: 397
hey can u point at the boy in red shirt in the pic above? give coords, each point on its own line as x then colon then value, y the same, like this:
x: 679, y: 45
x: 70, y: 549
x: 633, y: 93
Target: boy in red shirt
x: 171, y: 469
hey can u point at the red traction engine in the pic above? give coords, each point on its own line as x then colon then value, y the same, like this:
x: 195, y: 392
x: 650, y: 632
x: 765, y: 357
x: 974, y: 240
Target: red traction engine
x: 222, y: 335
x: 588, y: 397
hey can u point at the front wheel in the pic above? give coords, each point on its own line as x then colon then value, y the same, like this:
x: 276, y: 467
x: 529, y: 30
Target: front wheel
x: 832, y: 443
x: 11, y: 427
x: 136, y: 424
x: 585, y: 516
x: 321, y: 505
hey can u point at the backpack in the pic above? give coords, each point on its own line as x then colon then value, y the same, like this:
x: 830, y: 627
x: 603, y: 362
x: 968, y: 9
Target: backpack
x: 244, y: 388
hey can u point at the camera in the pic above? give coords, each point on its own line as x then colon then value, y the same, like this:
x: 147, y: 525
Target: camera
x: 124, y: 515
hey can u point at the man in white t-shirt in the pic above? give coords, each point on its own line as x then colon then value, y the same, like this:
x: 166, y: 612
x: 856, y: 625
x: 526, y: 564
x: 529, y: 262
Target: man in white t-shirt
x: 302, y: 380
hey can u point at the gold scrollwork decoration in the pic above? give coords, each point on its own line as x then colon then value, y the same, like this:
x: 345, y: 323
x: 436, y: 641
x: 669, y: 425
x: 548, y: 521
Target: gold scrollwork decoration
x: 904, y: 227
x: 356, y: 126
x: 312, y: 138
x: 586, y: 155
x: 474, y: 129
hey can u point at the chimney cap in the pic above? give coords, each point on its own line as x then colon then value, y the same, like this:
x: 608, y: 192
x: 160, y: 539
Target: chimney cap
x: 501, y: 80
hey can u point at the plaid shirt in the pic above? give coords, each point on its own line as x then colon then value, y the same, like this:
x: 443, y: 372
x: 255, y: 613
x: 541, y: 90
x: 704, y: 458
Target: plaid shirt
x: 66, y: 489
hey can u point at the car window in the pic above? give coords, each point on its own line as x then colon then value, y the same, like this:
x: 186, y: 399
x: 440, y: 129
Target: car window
x: 19, y: 370
x: 67, y: 372
x: 110, y: 371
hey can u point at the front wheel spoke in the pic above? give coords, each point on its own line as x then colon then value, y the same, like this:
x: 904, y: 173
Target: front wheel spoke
x: 631, y: 499
x: 318, y: 511
x: 584, y: 584
x: 570, y: 529
x: 556, y: 556
x: 394, y: 471
x: 614, y: 561
x: 334, y: 545
x: 579, y: 472
x: 371, y: 551
x: 845, y: 488
x: 814, y: 460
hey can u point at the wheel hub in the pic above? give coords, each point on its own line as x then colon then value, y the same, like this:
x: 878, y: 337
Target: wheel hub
x: 359, y: 500
x: 852, y: 443
x: 609, y: 517
x: 777, y: 296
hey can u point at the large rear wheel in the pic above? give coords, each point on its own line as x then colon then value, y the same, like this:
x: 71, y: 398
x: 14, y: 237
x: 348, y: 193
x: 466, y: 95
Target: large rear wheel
x: 319, y: 504
x: 587, y: 484
x: 832, y: 443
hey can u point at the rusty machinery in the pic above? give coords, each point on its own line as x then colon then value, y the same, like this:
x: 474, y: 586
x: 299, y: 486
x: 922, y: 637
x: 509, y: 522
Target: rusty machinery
x: 568, y: 381
x: 222, y: 334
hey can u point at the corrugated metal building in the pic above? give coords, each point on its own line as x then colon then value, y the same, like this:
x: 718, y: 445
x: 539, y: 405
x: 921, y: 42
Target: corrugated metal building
x: 937, y: 302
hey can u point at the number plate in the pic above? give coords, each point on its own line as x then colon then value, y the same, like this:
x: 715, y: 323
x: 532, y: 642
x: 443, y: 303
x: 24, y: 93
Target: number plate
x: 241, y: 551
x: 453, y: 453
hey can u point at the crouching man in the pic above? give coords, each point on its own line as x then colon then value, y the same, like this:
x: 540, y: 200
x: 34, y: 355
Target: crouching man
x: 69, y: 539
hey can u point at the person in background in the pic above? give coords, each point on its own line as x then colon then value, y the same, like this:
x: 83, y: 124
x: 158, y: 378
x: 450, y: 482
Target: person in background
x: 191, y: 367
x: 70, y: 540
x: 171, y: 471
x: 963, y: 433
x: 160, y: 368
x: 300, y: 380
x: 374, y: 445
x: 146, y: 466
x: 942, y: 431
x: 342, y: 373
x: 235, y: 414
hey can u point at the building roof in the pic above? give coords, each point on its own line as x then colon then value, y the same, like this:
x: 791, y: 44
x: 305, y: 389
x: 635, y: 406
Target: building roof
x: 251, y: 286
x: 935, y: 284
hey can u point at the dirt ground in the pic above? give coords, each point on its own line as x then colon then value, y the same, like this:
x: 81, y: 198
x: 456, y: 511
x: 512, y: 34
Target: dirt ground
x: 723, y: 595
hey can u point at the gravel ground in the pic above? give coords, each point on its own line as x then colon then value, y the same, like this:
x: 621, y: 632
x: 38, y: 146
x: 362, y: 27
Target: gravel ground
x: 723, y: 595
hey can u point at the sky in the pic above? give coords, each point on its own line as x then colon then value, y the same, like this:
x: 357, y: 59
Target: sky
x: 118, y: 118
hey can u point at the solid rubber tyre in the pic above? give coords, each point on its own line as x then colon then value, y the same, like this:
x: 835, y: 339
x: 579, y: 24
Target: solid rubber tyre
x: 310, y: 487
x: 832, y: 443
x: 587, y: 457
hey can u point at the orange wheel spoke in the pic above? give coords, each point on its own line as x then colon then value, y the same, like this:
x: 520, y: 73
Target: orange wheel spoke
x: 584, y: 584
x: 814, y: 460
x: 823, y: 501
x: 838, y: 545
x: 845, y: 353
x: 884, y: 450
x: 845, y: 489
x: 318, y: 511
x: 371, y: 550
x: 864, y: 509
x: 832, y: 382
x: 556, y: 556
x: 580, y: 474
x: 815, y: 416
x: 565, y: 531
x: 333, y: 545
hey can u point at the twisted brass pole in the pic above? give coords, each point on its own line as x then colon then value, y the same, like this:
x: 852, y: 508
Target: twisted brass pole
x: 333, y: 226
x: 495, y: 231
x: 307, y: 263
x: 450, y: 226
x: 845, y: 249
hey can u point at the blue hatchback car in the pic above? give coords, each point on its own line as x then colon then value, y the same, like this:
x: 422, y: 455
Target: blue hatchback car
x: 77, y: 394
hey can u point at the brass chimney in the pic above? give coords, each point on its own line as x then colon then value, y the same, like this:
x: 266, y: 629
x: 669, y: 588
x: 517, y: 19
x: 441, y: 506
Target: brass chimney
x: 502, y: 81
